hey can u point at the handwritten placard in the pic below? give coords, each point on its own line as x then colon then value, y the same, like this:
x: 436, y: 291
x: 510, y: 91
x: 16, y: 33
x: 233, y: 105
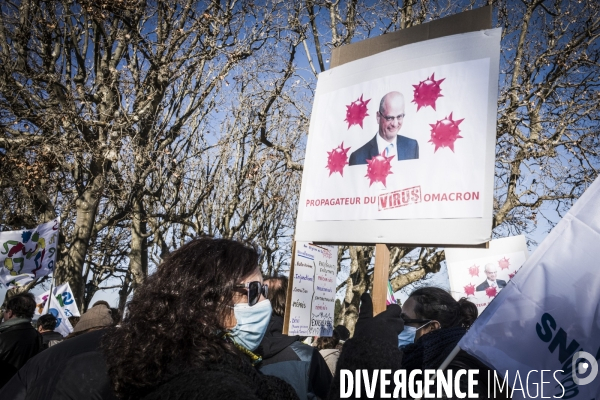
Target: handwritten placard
x: 313, y: 281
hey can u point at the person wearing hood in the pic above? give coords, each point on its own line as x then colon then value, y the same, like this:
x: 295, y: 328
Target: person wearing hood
x: 19, y: 341
x: 286, y: 356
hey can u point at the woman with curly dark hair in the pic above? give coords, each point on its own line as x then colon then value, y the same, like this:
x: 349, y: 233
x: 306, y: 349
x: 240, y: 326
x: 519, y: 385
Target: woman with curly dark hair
x: 192, y: 326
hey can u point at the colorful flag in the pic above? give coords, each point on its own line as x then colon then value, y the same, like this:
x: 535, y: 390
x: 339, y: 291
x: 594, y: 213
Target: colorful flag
x: 65, y: 298
x: 390, y: 296
x: 63, y: 326
x: 26, y: 255
x: 549, y: 312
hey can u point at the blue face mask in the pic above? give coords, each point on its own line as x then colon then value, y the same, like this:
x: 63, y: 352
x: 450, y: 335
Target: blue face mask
x: 407, y: 336
x: 252, y: 323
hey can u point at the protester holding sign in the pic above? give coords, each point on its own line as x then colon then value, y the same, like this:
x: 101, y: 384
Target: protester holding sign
x: 373, y: 347
x: 433, y: 324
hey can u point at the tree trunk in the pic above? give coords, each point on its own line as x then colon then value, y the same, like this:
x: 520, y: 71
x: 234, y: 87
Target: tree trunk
x: 71, y: 270
x: 124, y: 293
x: 138, y: 256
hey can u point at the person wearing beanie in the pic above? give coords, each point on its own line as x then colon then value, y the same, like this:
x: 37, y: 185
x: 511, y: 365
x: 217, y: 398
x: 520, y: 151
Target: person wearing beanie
x: 99, y: 316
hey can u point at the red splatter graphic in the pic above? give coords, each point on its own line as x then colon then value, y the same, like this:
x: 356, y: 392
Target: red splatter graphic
x: 504, y: 263
x: 474, y: 270
x: 19, y: 247
x: 491, y: 291
x: 356, y: 112
x: 427, y: 92
x: 470, y: 290
x: 445, y: 132
x: 510, y: 276
x: 337, y: 159
x: 379, y: 168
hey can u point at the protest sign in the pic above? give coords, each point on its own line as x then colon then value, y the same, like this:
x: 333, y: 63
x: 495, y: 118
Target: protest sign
x: 480, y: 274
x: 64, y: 297
x: 63, y: 326
x: 549, y: 312
x: 434, y: 102
x: 311, y: 291
x: 28, y: 254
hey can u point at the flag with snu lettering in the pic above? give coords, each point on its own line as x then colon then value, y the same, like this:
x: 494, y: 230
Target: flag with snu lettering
x: 549, y: 313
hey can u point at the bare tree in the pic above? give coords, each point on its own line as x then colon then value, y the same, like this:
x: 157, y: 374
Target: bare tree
x: 99, y: 94
x: 143, y: 124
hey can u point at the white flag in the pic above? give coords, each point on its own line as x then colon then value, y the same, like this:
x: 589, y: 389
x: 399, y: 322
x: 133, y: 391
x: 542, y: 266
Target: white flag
x: 26, y: 255
x: 63, y: 326
x: 548, y: 312
x: 65, y: 298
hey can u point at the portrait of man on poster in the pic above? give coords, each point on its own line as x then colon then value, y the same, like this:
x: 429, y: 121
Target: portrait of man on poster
x: 387, y: 141
x: 491, y: 272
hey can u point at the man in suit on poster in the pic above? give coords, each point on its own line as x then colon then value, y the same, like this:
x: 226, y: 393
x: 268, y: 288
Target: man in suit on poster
x: 387, y: 141
x: 491, y: 272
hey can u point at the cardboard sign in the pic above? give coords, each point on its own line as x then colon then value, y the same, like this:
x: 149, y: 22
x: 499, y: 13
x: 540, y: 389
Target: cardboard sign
x: 480, y: 274
x: 311, y: 292
x: 402, y: 143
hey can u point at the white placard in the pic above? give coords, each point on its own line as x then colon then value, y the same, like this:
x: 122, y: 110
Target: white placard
x: 480, y: 274
x: 313, y: 283
x: 422, y: 175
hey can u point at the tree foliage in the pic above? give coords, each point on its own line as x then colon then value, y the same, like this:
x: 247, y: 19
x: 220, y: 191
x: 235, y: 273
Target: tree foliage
x: 143, y: 124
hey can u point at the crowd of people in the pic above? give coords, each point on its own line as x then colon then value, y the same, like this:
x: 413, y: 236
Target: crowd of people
x: 208, y: 325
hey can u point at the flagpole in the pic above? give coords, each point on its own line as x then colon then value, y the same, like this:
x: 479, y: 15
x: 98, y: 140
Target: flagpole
x: 47, y: 305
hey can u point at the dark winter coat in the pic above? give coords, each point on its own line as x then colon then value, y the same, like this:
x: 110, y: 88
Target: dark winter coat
x: 430, y: 351
x: 301, y: 365
x: 51, y: 375
x: 18, y: 343
x: 55, y: 368
x: 47, y: 337
x: 226, y: 380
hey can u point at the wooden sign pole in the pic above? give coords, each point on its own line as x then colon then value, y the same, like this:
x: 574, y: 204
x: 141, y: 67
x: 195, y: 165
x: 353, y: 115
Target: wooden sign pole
x: 380, y: 277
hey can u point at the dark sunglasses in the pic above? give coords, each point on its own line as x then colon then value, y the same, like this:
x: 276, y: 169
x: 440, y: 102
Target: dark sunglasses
x: 255, y: 289
x: 414, y: 321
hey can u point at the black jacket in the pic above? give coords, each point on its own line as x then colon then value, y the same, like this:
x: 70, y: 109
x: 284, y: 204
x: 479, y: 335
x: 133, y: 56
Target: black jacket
x: 52, y: 368
x: 430, y: 351
x: 231, y: 378
x: 47, y: 337
x: 75, y: 369
x: 18, y: 344
x: 484, y: 285
x: 301, y: 365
